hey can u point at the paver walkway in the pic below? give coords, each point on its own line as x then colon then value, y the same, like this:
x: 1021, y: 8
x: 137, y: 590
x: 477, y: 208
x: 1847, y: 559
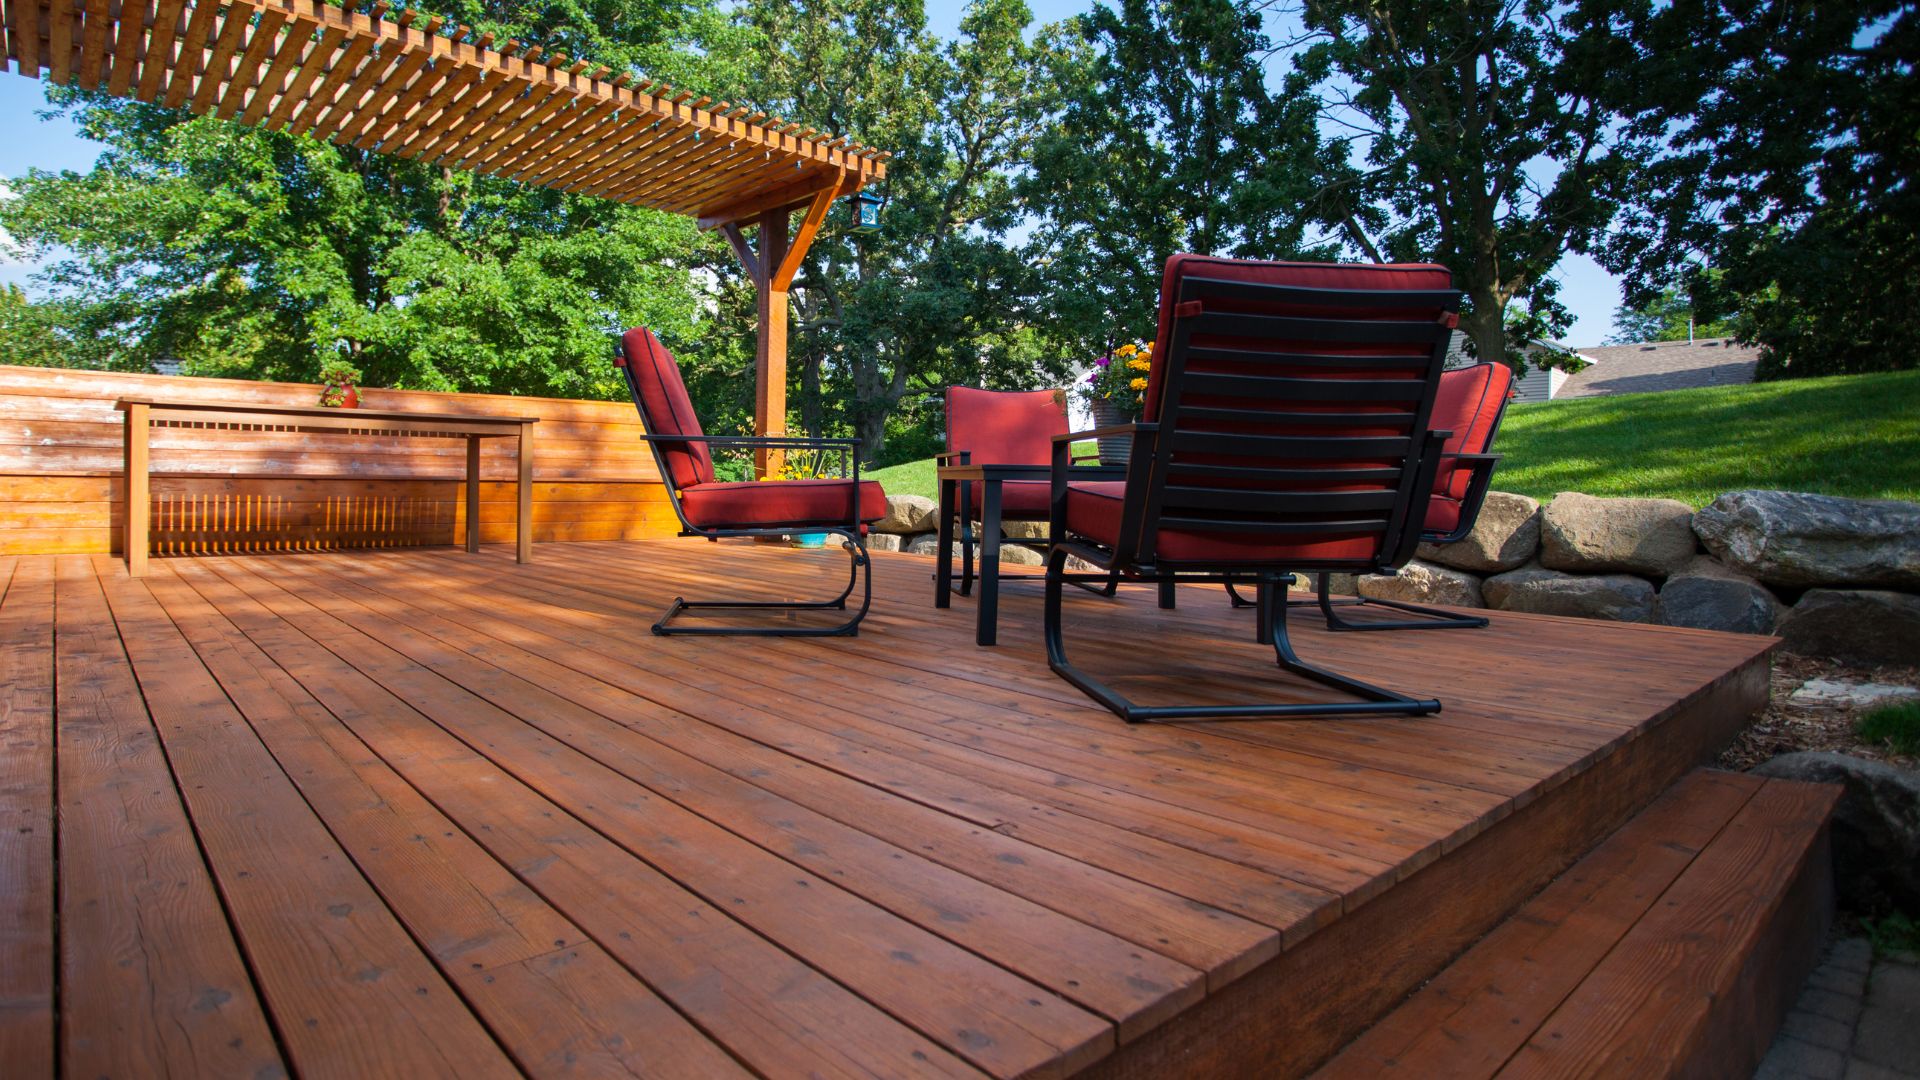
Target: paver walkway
x: 1857, y: 1019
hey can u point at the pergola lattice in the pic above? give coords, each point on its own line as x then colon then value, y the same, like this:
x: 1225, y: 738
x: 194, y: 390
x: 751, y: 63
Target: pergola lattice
x: 412, y: 87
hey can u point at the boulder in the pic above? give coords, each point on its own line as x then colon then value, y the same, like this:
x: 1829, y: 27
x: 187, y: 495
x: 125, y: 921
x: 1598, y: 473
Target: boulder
x: 1337, y: 584
x: 1619, y: 597
x: 1793, y: 539
x: 1856, y: 626
x: 1504, y: 537
x: 1653, y: 537
x: 909, y: 514
x: 1852, y: 695
x: 1708, y: 596
x: 925, y: 544
x: 1021, y: 555
x: 1024, y: 530
x: 878, y: 541
x: 1424, y: 583
x: 1876, y: 827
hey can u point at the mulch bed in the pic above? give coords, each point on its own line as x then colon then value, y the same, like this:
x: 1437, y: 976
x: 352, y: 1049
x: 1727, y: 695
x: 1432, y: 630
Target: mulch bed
x: 1789, y: 726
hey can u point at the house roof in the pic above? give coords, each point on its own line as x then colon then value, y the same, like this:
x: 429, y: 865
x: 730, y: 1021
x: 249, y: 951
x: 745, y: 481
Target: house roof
x: 403, y: 86
x: 1661, y: 365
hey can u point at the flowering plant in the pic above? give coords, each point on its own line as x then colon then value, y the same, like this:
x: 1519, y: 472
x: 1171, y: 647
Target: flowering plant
x: 1119, y: 379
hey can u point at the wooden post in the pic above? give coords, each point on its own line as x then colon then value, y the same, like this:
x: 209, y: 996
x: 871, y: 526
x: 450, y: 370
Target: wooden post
x: 473, y: 493
x: 139, y: 497
x: 523, y: 494
x: 770, y: 351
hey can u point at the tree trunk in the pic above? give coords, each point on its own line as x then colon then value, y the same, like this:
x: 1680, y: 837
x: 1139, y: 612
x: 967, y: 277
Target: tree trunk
x: 1486, y: 326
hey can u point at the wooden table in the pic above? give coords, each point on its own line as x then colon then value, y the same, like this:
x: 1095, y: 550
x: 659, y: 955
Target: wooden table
x: 142, y: 415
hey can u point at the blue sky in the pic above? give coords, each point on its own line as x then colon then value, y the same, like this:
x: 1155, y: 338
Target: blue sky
x: 26, y: 141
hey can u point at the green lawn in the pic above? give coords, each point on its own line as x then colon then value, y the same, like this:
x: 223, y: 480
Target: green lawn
x: 1856, y: 435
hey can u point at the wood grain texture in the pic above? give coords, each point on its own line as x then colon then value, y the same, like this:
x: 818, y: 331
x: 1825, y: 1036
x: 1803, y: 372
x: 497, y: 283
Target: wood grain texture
x: 151, y: 978
x: 894, y: 854
x: 26, y: 817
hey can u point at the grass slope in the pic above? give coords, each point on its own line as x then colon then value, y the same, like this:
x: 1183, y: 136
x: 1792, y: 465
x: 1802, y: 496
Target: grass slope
x: 1855, y: 435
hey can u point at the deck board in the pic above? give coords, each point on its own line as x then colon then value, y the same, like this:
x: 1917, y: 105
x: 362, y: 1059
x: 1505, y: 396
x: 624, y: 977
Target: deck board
x: 599, y: 851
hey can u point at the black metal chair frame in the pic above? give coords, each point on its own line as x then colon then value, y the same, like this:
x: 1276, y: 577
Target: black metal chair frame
x: 853, y: 538
x: 1150, y: 502
x: 1426, y: 618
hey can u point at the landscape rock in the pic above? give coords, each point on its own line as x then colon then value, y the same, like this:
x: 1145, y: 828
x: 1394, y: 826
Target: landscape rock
x: 1424, y: 583
x: 879, y: 541
x: 925, y: 544
x: 909, y: 514
x: 1876, y: 828
x: 1858, y: 626
x: 1619, y: 597
x: 1854, y: 695
x: 1504, y: 537
x: 1596, y: 536
x: 1708, y: 596
x: 1024, y: 530
x: 1021, y: 555
x: 1796, y: 539
x: 1337, y: 584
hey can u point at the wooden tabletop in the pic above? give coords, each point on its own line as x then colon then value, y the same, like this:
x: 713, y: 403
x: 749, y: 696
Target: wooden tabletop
x: 383, y: 415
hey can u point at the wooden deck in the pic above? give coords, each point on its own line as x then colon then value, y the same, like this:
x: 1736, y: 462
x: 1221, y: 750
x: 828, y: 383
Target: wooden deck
x: 415, y: 813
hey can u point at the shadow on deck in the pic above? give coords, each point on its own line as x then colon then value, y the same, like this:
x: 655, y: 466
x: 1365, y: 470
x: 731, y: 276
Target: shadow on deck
x: 423, y: 813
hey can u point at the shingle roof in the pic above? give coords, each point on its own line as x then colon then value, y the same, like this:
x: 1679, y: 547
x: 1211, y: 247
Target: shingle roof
x: 1662, y: 365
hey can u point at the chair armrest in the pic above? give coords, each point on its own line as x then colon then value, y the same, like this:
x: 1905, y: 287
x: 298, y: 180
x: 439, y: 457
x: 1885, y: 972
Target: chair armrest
x: 964, y: 456
x: 1472, y: 458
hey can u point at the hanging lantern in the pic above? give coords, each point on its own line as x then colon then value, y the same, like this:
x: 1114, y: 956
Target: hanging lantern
x: 866, y: 210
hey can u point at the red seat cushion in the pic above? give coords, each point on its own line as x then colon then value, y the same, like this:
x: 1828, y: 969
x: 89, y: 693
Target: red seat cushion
x: 1093, y: 511
x: 669, y: 411
x: 1005, y: 427
x: 774, y: 504
x: 1468, y: 404
x: 1443, y: 515
x: 1020, y: 500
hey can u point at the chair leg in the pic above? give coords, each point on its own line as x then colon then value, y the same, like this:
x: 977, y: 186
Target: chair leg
x: 1375, y: 701
x: 858, y: 561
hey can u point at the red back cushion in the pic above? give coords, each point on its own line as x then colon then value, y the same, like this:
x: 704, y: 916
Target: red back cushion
x: 1005, y: 427
x: 1305, y: 275
x: 1468, y: 405
x: 669, y: 410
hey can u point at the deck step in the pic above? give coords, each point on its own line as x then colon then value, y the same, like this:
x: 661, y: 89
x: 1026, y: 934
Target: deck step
x: 1673, y: 948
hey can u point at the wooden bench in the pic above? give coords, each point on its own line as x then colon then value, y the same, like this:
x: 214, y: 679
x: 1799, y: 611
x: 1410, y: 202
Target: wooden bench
x: 1672, y: 949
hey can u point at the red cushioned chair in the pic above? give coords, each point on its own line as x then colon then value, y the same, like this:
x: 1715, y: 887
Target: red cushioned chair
x: 715, y: 509
x: 1001, y: 427
x: 1471, y: 403
x: 1288, y: 426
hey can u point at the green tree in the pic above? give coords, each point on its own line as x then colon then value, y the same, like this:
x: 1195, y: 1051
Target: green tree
x: 1787, y: 160
x: 1166, y: 138
x: 1482, y: 136
x: 29, y: 332
x: 1669, y: 316
x: 886, y: 319
x: 248, y: 253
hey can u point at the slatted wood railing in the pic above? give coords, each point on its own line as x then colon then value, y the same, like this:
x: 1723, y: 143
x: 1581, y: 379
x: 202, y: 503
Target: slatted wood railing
x: 219, y: 492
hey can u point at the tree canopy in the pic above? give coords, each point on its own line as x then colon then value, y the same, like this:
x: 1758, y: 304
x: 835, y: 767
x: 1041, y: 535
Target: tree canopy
x: 1041, y: 176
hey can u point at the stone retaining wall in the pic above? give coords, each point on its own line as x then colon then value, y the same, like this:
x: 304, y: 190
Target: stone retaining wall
x: 1833, y: 577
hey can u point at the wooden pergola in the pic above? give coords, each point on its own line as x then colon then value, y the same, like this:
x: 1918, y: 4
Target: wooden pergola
x: 415, y: 88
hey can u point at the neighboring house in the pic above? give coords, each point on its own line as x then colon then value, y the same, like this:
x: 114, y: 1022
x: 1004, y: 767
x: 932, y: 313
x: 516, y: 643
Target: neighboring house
x: 1632, y: 369
x: 1533, y: 384
x: 1662, y: 365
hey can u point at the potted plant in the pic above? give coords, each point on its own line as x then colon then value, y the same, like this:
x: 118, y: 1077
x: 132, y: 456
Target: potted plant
x: 1115, y: 392
x: 339, y: 382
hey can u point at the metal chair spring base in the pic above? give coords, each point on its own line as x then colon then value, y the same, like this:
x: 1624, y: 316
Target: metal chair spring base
x: 860, y: 560
x: 1376, y: 701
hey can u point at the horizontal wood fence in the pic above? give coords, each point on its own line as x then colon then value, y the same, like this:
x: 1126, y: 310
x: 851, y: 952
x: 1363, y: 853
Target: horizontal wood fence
x: 220, y: 492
